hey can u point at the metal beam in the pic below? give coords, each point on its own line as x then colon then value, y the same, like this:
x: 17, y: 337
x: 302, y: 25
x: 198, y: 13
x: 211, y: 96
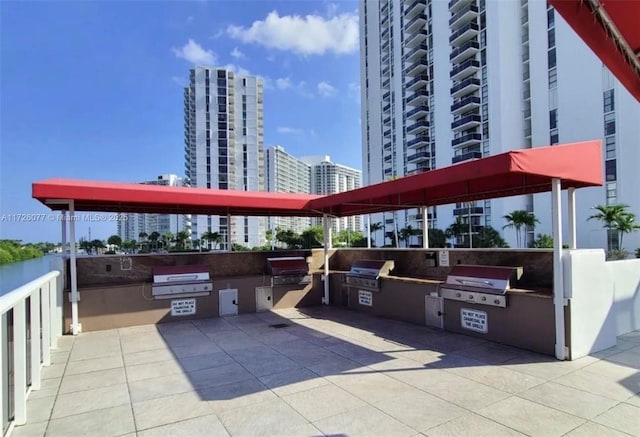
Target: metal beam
x: 75, y: 327
x: 425, y: 228
x: 558, y: 285
x: 326, y: 240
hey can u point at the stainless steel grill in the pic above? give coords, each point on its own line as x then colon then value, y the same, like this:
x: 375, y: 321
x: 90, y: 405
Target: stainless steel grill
x: 290, y: 270
x: 366, y: 273
x: 181, y: 281
x: 484, y: 285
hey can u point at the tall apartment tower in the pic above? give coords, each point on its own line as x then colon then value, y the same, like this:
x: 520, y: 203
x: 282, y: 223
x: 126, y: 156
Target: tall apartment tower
x: 329, y: 178
x: 224, y: 130
x: 444, y: 82
x: 287, y: 174
x: 136, y: 223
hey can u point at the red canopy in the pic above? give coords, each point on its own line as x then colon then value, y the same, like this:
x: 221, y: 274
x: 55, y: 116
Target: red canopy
x: 127, y: 197
x: 508, y: 174
x: 611, y: 28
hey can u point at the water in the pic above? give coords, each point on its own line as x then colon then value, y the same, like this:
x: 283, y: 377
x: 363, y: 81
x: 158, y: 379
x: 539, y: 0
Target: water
x: 14, y: 275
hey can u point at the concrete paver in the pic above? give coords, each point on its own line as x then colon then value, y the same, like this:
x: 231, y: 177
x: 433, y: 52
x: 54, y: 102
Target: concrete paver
x: 330, y: 371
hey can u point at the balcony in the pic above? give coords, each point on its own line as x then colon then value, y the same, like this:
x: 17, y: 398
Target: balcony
x: 467, y: 86
x: 457, y: 5
x: 420, y: 125
x: 466, y: 157
x: 419, y: 157
x: 418, y: 112
x: 466, y: 122
x: 419, y: 140
x: 417, y: 82
x: 459, y: 54
x: 467, y: 140
x: 414, y: 8
x: 387, y: 133
x: 417, y: 97
x: 418, y: 51
x: 467, y: 68
x: 417, y: 67
x: 465, y: 105
x: 464, y: 15
x: 415, y: 39
x: 474, y: 210
x: 463, y: 34
x: 416, y: 23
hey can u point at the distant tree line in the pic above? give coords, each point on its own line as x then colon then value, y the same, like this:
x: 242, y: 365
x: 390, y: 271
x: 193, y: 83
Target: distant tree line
x: 13, y: 250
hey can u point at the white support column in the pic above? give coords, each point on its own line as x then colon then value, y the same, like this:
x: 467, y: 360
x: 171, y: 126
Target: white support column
x: 229, y: 232
x: 425, y: 228
x: 470, y: 228
x: 63, y: 222
x: 326, y: 237
x: 46, y: 322
x: 35, y: 337
x: 20, y: 363
x: 558, y: 288
x: 73, y: 270
x: 571, y: 201
x: 368, y: 231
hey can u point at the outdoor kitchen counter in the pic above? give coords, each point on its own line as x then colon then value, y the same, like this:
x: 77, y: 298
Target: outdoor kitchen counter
x: 412, y: 280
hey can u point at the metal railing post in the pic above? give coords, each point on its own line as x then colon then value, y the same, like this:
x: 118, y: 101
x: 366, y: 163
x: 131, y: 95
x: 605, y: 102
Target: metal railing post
x: 35, y: 338
x: 20, y: 363
x: 46, y: 322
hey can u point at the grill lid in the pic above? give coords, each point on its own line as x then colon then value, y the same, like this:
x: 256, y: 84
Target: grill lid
x: 174, y: 274
x: 371, y: 268
x: 487, y: 279
x: 287, y: 266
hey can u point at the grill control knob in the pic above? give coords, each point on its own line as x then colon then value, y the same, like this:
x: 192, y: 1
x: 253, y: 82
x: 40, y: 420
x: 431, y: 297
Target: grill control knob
x: 458, y: 295
x: 471, y: 296
x: 497, y: 301
x: 483, y: 298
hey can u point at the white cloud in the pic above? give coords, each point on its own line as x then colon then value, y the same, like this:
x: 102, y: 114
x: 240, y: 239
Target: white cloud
x: 195, y: 53
x: 288, y: 130
x: 179, y: 80
x: 325, y: 89
x: 283, y: 83
x: 332, y: 9
x: 308, y: 35
x: 237, y: 54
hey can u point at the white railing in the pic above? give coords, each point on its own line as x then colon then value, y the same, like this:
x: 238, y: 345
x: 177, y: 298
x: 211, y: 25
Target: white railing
x: 44, y: 329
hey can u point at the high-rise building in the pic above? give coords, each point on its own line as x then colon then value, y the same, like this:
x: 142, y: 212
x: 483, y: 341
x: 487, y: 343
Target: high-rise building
x: 138, y: 223
x: 224, y: 145
x: 329, y: 178
x: 286, y: 174
x: 448, y: 81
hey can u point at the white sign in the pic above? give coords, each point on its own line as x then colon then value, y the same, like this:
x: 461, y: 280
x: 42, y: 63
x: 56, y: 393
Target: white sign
x: 365, y: 298
x: 443, y: 258
x: 183, y: 307
x: 474, y: 320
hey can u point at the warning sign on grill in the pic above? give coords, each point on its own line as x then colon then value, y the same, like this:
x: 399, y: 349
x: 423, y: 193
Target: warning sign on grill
x: 365, y: 298
x: 183, y: 307
x: 474, y: 320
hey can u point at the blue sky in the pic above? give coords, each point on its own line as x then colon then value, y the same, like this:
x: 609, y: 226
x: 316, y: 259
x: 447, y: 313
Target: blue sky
x: 93, y: 90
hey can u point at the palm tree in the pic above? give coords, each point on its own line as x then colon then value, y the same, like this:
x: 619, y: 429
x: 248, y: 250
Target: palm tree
x: 374, y: 228
x: 626, y: 224
x: 610, y: 216
x: 406, y: 234
x: 520, y: 219
x: 212, y: 237
x: 456, y: 229
x: 181, y: 238
x: 167, y: 238
x: 153, y: 237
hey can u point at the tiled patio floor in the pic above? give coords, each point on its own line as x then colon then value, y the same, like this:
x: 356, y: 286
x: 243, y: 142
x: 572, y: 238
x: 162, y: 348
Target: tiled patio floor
x: 330, y: 372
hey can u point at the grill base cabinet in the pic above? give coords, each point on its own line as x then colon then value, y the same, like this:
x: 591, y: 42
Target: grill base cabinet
x: 528, y: 322
x: 228, y: 301
x: 264, y: 299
